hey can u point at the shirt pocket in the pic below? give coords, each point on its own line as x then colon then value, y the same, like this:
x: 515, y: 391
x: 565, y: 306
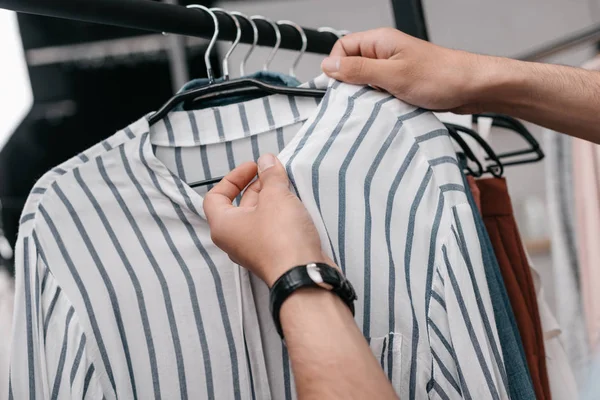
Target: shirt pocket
x: 388, y: 352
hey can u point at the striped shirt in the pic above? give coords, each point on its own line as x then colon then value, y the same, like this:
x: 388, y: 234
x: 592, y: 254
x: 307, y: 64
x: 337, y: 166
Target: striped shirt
x: 121, y: 292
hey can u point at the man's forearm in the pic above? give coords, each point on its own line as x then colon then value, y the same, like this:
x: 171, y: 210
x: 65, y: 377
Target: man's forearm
x: 561, y: 98
x: 330, y: 357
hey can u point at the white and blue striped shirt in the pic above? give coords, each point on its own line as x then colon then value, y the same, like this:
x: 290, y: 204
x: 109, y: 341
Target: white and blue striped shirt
x: 121, y: 292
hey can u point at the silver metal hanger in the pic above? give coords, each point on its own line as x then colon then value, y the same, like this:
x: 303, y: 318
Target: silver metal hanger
x: 254, y: 41
x: 211, y: 44
x: 304, y: 43
x: 277, y: 39
x: 234, y: 44
x: 329, y: 29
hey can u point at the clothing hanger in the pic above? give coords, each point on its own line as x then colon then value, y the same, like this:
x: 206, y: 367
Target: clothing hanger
x: 292, y: 72
x: 277, y: 40
x: 496, y: 169
x: 512, y: 124
x: 254, y: 41
x: 330, y: 30
x: 466, y: 151
x: 235, y: 86
x: 234, y: 44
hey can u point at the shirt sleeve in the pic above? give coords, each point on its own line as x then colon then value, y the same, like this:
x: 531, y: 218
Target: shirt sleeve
x: 49, y: 353
x: 471, y: 324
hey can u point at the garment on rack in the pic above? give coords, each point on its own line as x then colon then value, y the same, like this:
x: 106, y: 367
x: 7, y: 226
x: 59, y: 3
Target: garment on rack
x: 502, y: 229
x: 121, y: 292
x: 43, y: 140
x: 475, y: 193
x: 592, y: 385
x: 563, y: 385
x: 519, y: 379
x: 565, y: 264
x: 586, y: 161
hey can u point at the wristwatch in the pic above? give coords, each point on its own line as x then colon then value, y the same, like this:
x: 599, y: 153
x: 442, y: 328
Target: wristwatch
x: 318, y: 275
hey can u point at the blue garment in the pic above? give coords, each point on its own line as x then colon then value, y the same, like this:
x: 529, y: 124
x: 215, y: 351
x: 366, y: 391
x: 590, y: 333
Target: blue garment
x: 519, y: 379
x: 274, y: 78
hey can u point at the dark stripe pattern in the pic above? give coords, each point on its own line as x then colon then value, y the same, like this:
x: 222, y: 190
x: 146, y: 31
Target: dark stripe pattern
x: 120, y: 269
x: 107, y: 282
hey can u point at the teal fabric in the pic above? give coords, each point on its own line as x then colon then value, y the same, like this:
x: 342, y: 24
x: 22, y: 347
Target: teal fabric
x: 273, y: 78
x: 519, y: 380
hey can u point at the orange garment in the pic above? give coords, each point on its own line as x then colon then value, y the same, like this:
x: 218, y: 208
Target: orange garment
x: 502, y: 229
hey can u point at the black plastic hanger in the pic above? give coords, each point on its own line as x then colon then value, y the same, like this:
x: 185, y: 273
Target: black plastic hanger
x: 466, y: 151
x: 231, y: 87
x: 497, y: 168
x: 510, y: 123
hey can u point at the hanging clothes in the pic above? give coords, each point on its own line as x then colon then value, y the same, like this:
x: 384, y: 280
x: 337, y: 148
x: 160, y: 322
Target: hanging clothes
x: 586, y: 161
x: 501, y: 226
x: 565, y: 263
x: 519, y: 379
x: 592, y: 385
x: 563, y: 385
x: 117, y: 268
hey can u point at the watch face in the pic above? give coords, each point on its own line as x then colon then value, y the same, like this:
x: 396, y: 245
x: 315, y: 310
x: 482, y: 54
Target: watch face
x: 314, y: 273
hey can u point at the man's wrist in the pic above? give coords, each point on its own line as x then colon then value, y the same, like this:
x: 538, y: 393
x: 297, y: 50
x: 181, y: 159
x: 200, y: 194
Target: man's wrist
x: 280, y: 266
x: 502, y: 84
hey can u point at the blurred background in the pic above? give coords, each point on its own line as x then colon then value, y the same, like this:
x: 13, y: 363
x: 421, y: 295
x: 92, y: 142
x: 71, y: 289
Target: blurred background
x: 66, y: 85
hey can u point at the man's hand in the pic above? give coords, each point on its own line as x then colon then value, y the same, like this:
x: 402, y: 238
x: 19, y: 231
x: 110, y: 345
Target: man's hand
x: 561, y: 98
x: 411, y: 69
x: 271, y: 231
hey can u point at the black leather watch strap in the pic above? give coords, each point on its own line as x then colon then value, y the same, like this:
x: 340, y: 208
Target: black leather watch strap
x: 317, y: 275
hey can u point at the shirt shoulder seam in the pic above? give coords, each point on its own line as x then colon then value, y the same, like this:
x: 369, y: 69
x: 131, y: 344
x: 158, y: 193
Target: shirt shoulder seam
x: 42, y: 186
x: 422, y: 153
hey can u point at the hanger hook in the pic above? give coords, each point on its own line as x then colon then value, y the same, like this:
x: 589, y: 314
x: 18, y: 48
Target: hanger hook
x: 211, y: 44
x: 277, y: 39
x: 234, y: 44
x: 329, y: 29
x: 254, y: 41
x: 304, y: 43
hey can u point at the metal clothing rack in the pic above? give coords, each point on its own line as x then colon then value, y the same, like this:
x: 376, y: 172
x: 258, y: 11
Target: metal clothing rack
x: 169, y: 18
x: 161, y: 17
x: 410, y: 17
x: 587, y: 36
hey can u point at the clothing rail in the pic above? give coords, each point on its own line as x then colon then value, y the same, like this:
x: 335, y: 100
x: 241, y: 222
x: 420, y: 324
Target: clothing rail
x: 161, y: 17
x: 586, y: 36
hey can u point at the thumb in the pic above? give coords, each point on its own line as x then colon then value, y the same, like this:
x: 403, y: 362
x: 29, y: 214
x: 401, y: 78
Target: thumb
x: 359, y: 70
x: 271, y: 172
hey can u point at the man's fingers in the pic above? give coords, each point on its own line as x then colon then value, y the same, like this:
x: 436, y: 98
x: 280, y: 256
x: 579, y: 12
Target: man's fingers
x: 222, y: 195
x: 361, y: 71
x: 271, y: 172
x: 377, y: 43
x: 250, y: 196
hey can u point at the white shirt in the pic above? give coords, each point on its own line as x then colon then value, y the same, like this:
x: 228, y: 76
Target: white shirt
x: 121, y: 293
x: 563, y: 385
